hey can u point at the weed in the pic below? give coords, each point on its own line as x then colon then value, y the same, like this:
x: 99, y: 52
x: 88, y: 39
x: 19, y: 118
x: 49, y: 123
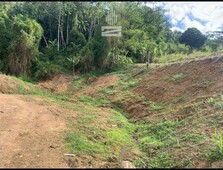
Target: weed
x: 169, y: 109
x: 20, y: 89
x: 80, y: 144
x: 121, y: 121
x: 178, y: 77
x: 93, y: 101
x: 216, y: 102
x: 108, y: 90
x: 155, y: 135
x: 203, y: 83
x: 217, y: 138
x: 88, y: 118
x: 179, y: 57
x: 211, y: 100
x: 111, y: 86
x: 215, y: 153
x: 150, y: 142
x: 195, y: 137
x: 167, y: 78
x: 161, y: 160
x: 163, y: 129
x: 156, y: 106
x: 128, y: 84
x: 181, y: 98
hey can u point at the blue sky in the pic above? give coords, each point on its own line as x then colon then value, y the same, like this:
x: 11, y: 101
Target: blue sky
x: 205, y: 16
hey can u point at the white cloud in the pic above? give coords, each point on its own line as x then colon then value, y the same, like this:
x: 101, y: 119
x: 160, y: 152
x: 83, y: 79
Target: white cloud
x: 211, y: 13
x: 174, y: 21
x: 188, y: 23
x: 177, y: 29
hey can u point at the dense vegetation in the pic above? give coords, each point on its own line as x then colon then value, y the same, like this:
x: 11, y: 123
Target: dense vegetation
x: 41, y: 39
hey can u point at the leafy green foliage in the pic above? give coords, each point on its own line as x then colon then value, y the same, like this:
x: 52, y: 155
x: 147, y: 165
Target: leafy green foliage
x: 26, y: 34
x: 193, y: 37
x: 68, y: 35
x: 45, y: 70
x: 218, y: 141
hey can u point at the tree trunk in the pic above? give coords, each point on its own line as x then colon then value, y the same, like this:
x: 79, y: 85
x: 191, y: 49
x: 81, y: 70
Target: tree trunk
x: 58, y: 34
x: 62, y: 37
x: 45, y: 40
x: 67, y: 39
x: 150, y: 58
x: 91, y: 29
x: 50, y: 29
x: 76, y: 21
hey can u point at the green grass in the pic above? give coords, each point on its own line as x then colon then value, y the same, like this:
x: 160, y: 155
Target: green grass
x: 108, y: 90
x: 193, y: 136
x: 101, y: 134
x: 78, y: 83
x: 218, y: 140
x: 215, y: 153
x: 92, y: 137
x: 93, y: 101
x: 177, y: 57
x: 161, y: 160
x: 181, y: 98
x: 216, y: 102
x: 79, y: 144
x: 154, y: 133
x: 175, y: 78
x: 155, y: 138
x: 156, y: 106
x: 178, y: 77
x: 127, y: 84
x: 149, y: 142
x: 203, y: 83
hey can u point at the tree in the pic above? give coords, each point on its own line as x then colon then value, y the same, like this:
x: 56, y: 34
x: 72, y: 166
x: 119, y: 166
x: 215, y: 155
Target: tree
x: 192, y: 37
x: 26, y: 34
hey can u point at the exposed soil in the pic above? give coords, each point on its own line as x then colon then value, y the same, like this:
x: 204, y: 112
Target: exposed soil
x: 8, y: 84
x: 59, y: 84
x: 31, y: 133
x: 202, y: 78
x: 97, y: 83
x: 34, y: 131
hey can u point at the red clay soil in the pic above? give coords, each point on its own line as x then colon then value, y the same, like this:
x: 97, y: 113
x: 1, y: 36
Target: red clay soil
x: 198, y: 73
x: 203, y: 78
x: 97, y: 83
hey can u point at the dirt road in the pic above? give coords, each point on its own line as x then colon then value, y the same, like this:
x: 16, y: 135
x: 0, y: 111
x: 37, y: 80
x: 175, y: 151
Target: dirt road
x: 31, y: 133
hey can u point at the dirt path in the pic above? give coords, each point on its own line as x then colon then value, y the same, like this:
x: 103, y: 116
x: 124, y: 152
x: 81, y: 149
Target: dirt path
x: 31, y: 134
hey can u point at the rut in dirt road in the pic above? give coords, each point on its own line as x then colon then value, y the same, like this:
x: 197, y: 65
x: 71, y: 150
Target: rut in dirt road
x: 30, y: 133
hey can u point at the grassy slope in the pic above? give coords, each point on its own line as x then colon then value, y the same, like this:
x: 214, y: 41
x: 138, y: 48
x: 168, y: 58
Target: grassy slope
x: 174, y: 127
x: 166, y: 127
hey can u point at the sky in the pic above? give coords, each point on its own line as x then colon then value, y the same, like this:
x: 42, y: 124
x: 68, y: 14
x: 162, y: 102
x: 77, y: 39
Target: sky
x: 205, y: 16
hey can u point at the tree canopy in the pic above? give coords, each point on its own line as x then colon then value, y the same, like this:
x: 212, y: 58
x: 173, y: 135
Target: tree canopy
x: 192, y: 37
x: 41, y: 39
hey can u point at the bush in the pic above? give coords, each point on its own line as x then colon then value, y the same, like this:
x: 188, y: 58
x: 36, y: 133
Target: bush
x: 45, y: 70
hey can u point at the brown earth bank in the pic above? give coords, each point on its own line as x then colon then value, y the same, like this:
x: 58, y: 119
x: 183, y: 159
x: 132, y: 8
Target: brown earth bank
x: 201, y: 79
x: 35, y: 132
x: 30, y: 133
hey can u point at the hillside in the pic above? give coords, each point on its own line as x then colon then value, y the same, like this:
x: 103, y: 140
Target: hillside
x: 163, y: 116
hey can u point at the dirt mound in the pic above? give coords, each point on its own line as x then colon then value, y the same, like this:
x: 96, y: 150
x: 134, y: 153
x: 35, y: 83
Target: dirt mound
x: 97, y: 83
x: 177, y: 84
x: 30, y: 133
x: 196, y: 78
x: 10, y: 85
x: 59, y: 84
